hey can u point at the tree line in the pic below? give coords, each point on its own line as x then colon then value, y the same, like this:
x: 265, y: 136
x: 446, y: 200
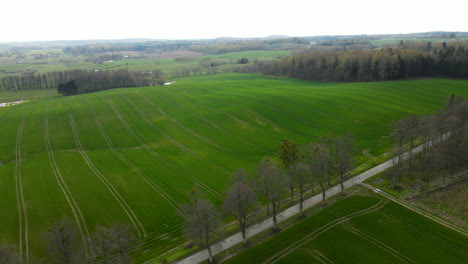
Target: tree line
x: 84, y: 80
x: 447, y: 59
x: 64, y: 245
x: 444, y: 138
x: 296, y: 170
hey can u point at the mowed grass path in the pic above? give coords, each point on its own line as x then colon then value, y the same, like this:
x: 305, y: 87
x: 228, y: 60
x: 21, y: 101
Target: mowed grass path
x: 134, y: 155
x: 361, y: 230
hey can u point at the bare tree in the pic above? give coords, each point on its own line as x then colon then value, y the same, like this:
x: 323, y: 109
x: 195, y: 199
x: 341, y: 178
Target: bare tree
x: 63, y: 242
x: 239, y: 202
x: 201, y: 222
x: 8, y: 255
x: 399, y: 134
x: 410, y: 125
x: 263, y: 182
x: 272, y: 182
x: 102, y: 244
x: 395, y: 169
x: 303, y: 176
x: 124, y: 238
x: 111, y: 244
x: 318, y: 157
x: 289, y: 156
x: 343, y: 156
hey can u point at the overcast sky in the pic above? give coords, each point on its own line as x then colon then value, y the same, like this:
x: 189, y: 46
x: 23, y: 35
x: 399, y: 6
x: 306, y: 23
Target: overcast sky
x: 26, y: 20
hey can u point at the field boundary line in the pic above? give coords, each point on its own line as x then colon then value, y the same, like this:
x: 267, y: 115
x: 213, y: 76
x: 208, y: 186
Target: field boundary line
x: 128, y: 210
x: 135, y: 170
x: 286, y: 251
x: 177, y: 143
x: 157, y: 155
x: 21, y: 204
x: 383, y: 246
x: 63, y: 186
x: 417, y: 210
x: 426, y: 234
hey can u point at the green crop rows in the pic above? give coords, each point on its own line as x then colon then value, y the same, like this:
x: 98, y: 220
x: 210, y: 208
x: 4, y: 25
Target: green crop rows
x: 361, y: 230
x: 134, y: 155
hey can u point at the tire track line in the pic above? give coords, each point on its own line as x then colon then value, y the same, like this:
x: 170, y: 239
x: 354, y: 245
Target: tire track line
x: 417, y: 210
x: 155, y: 154
x: 324, y: 257
x: 176, y: 143
x: 128, y: 210
x: 426, y: 234
x: 383, y: 246
x: 63, y: 186
x: 22, y: 214
x: 179, y: 124
x: 281, y: 254
x: 128, y: 163
x: 227, y: 132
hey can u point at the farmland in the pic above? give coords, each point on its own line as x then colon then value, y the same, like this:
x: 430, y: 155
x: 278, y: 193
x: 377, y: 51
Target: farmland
x: 364, y: 230
x: 137, y: 153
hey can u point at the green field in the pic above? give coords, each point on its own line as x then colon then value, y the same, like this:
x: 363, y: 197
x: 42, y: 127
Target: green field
x: 361, y: 230
x: 133, y: 155
x: 59, y: 61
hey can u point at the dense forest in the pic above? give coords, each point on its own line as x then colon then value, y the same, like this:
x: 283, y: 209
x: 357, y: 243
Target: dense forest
x: 83, y: 81
x: 403, y: 60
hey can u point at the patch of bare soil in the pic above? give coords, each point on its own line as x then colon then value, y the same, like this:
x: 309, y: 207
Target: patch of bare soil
x: 449, y: 202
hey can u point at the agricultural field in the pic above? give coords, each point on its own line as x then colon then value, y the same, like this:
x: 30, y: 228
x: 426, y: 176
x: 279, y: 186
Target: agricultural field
x: 134, y: 155
x: 361, y: 229
x: 170, y: 62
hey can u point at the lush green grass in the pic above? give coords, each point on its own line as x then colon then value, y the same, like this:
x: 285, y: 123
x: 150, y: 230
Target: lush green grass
x: 154, y: 144
x: 391, y: 234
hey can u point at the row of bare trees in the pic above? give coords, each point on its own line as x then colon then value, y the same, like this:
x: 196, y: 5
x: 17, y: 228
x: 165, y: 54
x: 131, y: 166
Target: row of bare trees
x: 297, y: 169
x: 443, y: 137
x: 64, y: 245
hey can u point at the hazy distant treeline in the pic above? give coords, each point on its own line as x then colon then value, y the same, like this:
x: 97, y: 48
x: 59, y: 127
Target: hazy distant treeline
x: 85, y: 81
x: 440, y: 59
x: 236, y: 46
x: 215, y: 46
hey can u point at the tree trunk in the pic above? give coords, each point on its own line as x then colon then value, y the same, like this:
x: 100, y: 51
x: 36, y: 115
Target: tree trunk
x: 342, y: 180
x: 209, y: 253
x: 323, y: 191
x: 301, y: 199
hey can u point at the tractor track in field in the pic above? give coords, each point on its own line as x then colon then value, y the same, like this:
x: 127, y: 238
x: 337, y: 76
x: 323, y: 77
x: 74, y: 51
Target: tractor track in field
x: 177, y: 143
x: 133, y: 168
x: 214, y: 125
x: 157, y: 155
x: 417, y: 210
x: 127, y: 209
x: 22, y: 214
x: 254, y: 113
x: 426, y: 234
x: 383, y: 246
x: 63, y: 186
x: 286, y: 251
x: 323, y: 257
x: 186, y: 129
